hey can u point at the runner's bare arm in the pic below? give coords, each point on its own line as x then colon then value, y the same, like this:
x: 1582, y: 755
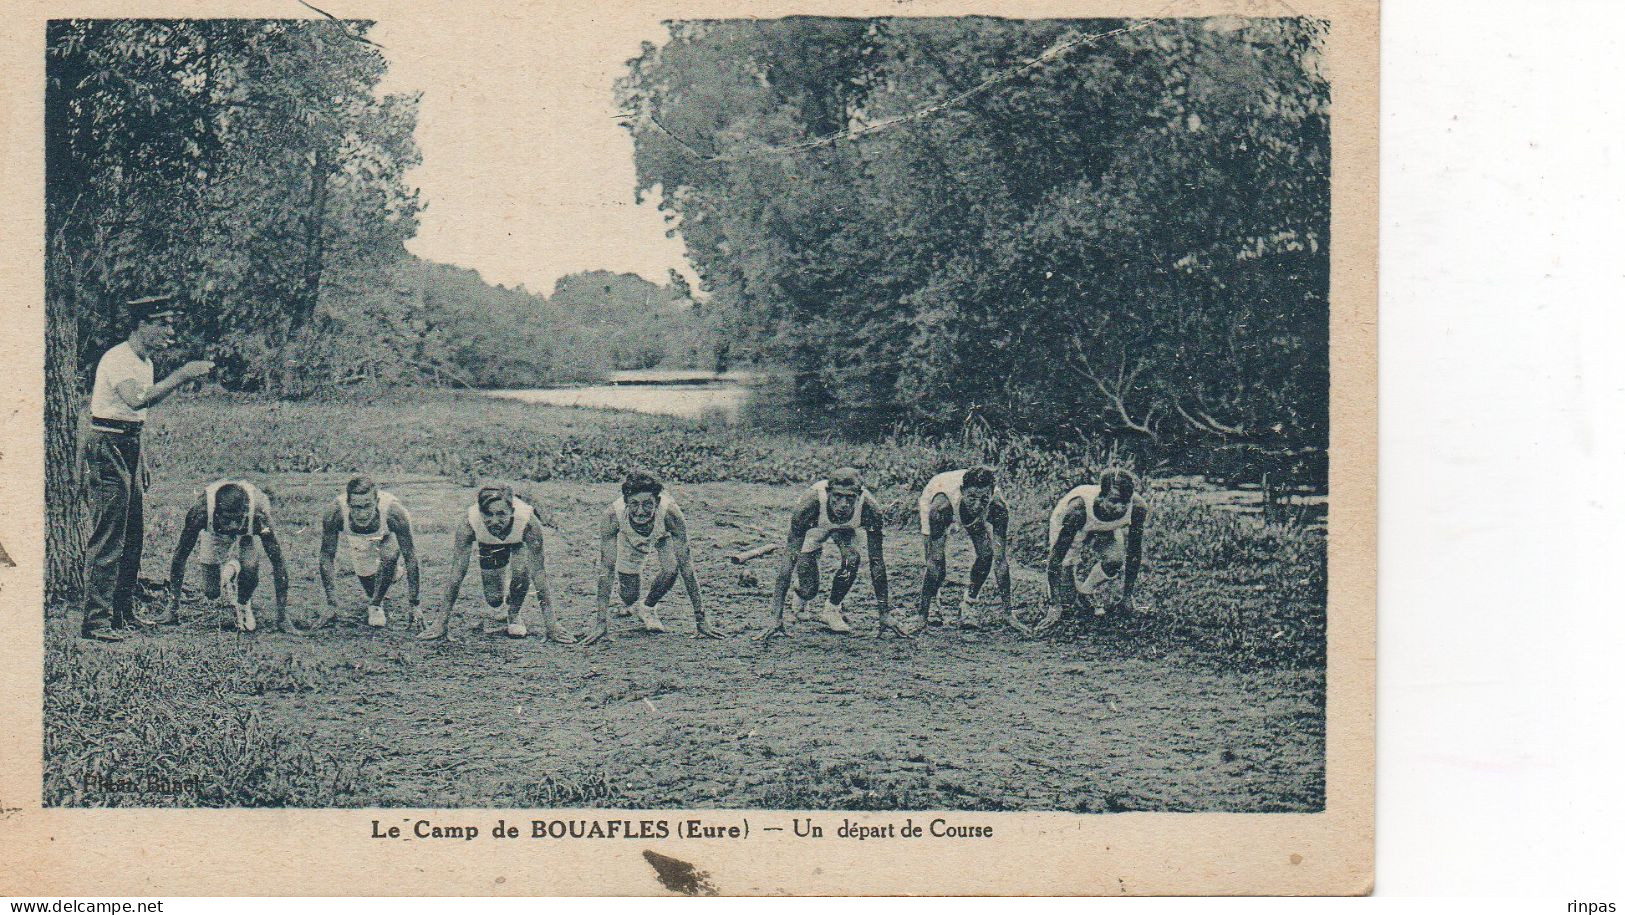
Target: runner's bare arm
x: 537, y: 548
x: 802, y: 519
x: 279, y: 568
x: 462, y: 545
x: 400, y: 524
x: 607, y: 531
x: 1059, y: 589
x: 1071, y: 523
x: 998, y: 518
x: 938, y: 518
x: 1134, y: 547
x: 874, y: 530
x: 196, y: 518
x: 678, y: 527
x: 330, y: 547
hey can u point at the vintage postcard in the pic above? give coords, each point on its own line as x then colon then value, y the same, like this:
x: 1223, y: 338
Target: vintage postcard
x: 700, y: 447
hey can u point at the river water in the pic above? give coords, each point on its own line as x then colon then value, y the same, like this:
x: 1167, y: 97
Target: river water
x: 689, y: 394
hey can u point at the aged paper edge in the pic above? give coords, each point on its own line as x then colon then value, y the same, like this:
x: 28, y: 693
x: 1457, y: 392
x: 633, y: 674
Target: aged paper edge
x: 272, y: 852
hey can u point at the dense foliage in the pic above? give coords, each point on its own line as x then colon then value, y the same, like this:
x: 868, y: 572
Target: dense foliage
x: 473, y: 334
x: 1127, y: 239
x: 253, y: 168
x: 248, y: 165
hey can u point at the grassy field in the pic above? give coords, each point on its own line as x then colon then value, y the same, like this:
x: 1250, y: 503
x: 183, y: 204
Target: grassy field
x: 1210, y: 698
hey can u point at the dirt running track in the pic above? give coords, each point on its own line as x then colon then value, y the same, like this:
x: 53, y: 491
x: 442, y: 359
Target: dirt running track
x: 975, y: 720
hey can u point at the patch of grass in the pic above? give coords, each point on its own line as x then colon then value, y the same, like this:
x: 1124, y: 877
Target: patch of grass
x: 469, y: 435
x: 812, y: 784
x: 549, y: 791
x: 175, y: 726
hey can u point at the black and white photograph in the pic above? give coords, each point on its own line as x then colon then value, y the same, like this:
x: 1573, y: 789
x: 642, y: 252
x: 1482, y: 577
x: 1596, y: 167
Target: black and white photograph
x: 962, y: 447
x: 652, y: 413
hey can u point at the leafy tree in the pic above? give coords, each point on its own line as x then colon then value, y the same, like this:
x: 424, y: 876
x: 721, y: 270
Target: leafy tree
x: 248, y: 165
x: 1128, y: 239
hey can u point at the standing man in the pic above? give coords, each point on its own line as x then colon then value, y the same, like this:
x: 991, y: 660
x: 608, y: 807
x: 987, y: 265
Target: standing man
x: 115, y: 468
x: 644, y: 523
x: 833, y: 510
x: 1100, y: 528
x: 377, y: 533
x: 971, y: 499
x: 508, y: 538
x: 229, y: 517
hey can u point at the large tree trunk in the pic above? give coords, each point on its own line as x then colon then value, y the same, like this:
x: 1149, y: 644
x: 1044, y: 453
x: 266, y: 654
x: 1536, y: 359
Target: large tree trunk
x: 64, y: 501
x: 64, y: 507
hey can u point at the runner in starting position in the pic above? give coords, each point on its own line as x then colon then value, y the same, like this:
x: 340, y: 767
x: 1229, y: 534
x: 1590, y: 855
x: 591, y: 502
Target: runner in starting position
x: 972, y: 500
x: 1099, y: 527
x: 645, y: 522
x: 836, y: 510
x: 233, y: 514
x: 377, y: 532
x: 498, y: 524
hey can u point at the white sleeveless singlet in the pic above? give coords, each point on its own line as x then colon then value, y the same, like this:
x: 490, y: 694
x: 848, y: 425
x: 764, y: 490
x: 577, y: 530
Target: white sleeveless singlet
x: 522, y: 515
x: 213, y: 545
x: 950, y: 483
x: 632, y: 549
x: 367, y: 550
x: 826, y: 525
x: 1091, y: 525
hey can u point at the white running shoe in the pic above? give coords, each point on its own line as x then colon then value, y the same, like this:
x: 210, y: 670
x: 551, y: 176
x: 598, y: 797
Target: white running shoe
x: 245, y: 617
x: 376, y: 618
x: 832, y: 618
x: 650, y: 618
x: 517, y: 630
x: 798, y: 608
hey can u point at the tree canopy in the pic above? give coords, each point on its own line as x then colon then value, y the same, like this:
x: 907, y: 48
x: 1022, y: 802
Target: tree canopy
x: 1127, y: 239
x: 248, y: 165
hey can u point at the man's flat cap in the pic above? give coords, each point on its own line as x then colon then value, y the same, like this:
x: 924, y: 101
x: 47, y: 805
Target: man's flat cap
x: 153, y: 307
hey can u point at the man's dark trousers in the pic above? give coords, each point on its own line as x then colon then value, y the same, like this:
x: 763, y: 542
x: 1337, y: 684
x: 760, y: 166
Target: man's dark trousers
x: 113, y: 555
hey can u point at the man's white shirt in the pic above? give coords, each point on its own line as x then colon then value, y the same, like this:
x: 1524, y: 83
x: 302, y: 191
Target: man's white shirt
x: 118, y: 365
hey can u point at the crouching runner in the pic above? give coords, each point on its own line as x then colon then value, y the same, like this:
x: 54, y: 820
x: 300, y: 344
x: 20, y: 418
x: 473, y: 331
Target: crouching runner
x: 833, y: 510
x: 508, y: 538
x: 232, y: 518
x: 1099, y: 528
x: 970, y: 499
x: 376, y: 530
x: 645, y: 523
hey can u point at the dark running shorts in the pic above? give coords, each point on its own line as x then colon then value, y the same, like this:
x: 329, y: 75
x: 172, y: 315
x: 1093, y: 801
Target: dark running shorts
x: 494, y: 556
